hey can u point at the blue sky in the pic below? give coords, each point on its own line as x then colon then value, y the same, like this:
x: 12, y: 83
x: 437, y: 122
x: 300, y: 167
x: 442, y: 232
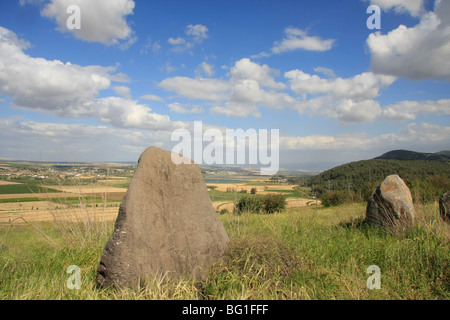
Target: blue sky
x: 138, y: 70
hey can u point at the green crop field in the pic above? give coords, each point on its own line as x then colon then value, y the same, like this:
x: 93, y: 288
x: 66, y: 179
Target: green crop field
x: 24, y: 188
x: 226, y: 196
x: 12, y: 200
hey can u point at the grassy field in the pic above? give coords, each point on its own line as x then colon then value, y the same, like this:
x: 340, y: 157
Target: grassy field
x: 25, y: 188
x: 302, y: 253
x: 13, y: 200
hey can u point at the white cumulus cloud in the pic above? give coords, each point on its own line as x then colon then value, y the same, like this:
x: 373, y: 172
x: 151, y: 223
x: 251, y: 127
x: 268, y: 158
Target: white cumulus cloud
x: 69, y: 90
x: 41, y: 84
x: 195, y: 35
x: 26, y: 139
x: 417, y: 53
x: 251, y: 86
x: 409, y: 110
x: 198, y: 32
x: 102, y: 21
x: 206, y: 69
x: 413, y: 7
x: 347, y: 99
x: 201, y: 88
x: 179, y: 108
x: 123, y: 91
x: 298, y: 39
x: 415, y: 136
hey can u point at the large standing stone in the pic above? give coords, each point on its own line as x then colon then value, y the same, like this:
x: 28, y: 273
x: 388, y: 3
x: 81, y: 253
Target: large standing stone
x: 444, y: 206
x: 166, y: 225
x: 391, y: 204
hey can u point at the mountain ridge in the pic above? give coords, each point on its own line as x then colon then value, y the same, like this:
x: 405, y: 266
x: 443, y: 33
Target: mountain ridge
x: 401, y: 154
x: 429, y: 171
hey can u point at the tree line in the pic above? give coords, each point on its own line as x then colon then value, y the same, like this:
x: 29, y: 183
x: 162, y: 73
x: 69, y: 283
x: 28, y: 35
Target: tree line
x: 355, y: 181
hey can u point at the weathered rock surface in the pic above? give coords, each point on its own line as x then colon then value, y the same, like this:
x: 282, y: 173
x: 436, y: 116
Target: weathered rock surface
x: 166, y: 225
x: 444, y: 206
x: 391, y: 204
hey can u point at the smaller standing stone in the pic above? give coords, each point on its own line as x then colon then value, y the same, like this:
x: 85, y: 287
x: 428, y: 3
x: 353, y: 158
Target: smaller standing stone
x: 444, y: 206
x: 391, y: 204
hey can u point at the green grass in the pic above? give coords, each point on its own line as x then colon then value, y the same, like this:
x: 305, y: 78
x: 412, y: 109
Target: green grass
x: 83, y: 200
x: 13, y: 200
x: 24, y: 188
x: 304, y: 253
x: 295, y: 193
x: 226, y: 196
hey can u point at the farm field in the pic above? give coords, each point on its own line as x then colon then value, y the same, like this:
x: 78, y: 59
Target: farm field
x: 24, y: 202
x: 27, y: 201
x: 224, y: 195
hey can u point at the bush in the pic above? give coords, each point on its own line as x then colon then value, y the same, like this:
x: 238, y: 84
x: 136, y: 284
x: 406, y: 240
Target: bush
x: 335, y: 198
x: 430, y: 189
x: 249, y: 204
x: 267, y: 204
x: 253, y: 190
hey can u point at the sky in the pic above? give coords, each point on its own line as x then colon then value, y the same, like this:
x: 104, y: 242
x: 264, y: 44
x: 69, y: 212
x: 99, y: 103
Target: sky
x: 131, y: 73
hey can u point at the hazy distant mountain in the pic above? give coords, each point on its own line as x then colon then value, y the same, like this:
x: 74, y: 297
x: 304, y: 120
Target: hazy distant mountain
x: 413, y: 155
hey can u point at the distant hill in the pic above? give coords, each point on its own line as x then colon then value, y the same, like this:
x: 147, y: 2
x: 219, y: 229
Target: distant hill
x: 413, y: 155
x: 430, y: 171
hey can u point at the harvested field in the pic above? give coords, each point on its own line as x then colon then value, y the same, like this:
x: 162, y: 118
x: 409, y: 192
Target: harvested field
x: 7, y: 183
x: 90, y: 189
x: 49, y: 211
x: 260, y: 189
x: 50, y: 206
x: 224, y: 187
x: 279, y: 187
x: 50, y: 195
x: 26, y: 206
x: 219, y: 205
x: 299, y: 202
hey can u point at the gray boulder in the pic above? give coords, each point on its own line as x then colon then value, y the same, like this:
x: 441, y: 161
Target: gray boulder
x: 391, y: 204
x: 166, y: 226
x: 444, y: 206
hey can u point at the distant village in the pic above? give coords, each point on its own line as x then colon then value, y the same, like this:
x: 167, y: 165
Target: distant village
x: 23, y: 171
x: 37, y: 171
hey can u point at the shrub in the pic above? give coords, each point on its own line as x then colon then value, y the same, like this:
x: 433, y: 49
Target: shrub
x: 270, y: 203
x: 335, y: 198
x: 274, y: 203
x: 430, y: 189
x: 248, y: 204
x: 253, y: 190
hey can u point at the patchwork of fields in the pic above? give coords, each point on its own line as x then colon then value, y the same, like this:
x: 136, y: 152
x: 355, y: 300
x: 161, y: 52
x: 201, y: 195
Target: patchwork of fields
x: 25, y: 202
